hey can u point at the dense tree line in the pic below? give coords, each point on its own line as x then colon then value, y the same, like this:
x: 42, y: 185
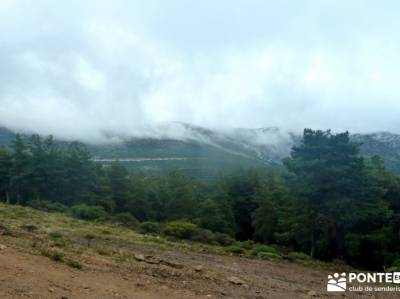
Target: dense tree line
x: 329, y: 202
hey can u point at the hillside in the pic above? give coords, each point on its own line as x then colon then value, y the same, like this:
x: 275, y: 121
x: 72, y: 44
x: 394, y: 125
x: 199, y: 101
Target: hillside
x: 203, y: 153
x: 384, y: 144
x: 54, y: 256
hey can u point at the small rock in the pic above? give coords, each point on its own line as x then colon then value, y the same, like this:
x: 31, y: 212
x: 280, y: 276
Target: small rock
x: 51, y: 290
x: 312, y: 293
x: 64, y: 297
x: 153, y: 260
x: 198, y: 268
x: 2, y: 247
x: 235, y: 280
x: 139, y: 257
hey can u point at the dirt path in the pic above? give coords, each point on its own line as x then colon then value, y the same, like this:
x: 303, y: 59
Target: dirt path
x: 173, y: 274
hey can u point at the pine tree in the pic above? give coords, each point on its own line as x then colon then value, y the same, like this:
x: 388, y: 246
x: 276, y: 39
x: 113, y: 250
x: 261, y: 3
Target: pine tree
x: 119, y: 186
x: 329, y: 179
x: 5, y: 174
x: 20, y: 186
x: 274, y: 207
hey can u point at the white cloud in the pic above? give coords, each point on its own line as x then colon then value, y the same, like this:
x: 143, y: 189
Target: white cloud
x: 77, y: 70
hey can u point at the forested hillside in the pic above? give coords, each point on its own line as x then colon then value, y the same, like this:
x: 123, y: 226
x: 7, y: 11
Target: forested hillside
x: 204, y: 153
x: 328, y: 202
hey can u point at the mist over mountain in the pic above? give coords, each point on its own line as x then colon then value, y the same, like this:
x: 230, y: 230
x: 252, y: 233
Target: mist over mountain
x: 203, y: 152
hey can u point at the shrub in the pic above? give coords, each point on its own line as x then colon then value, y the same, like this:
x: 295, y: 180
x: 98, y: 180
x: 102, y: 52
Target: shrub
x: 180, y: 229
x: 396, y: 263
x: 29, y: 227
x: 203, y: 236
x: 150, y: 228
x: 54, y: 255
x: 298, y: 256
x: 74, y: 264
x: 89, y: 238
x: 47, y: 206
x: 55, y: 235
x: 263, y: 248
x: 85, y: 212
x: 126, y: 219
x: 395, y: 266
x: 223, y: 239
x: 58, y: 239
x: 5, y: 230
x: 235, y: 249
x: 268, y: 255
x: 246, y: 244
x: 104, y: 251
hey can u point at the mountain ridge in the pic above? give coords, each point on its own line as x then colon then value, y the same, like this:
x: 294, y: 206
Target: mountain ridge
x: 259, y: 147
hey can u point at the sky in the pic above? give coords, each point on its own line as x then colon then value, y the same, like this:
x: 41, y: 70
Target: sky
x: 79, y: 69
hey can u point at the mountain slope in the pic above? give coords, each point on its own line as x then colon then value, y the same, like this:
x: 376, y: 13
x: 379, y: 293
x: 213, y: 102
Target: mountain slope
x: 203, y: 153
x: 48, y: 255
x: 384, y: 144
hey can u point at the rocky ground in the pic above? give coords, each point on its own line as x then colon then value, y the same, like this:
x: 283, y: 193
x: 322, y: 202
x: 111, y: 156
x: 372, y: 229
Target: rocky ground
x: 50, y: 256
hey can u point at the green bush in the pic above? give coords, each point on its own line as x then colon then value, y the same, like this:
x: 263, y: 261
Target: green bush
x: 89, y: 238
x: 235, y: 249
x: 263, y: 248
x: 74, y: 264
x: 85, y: 212
x: 150, y: 227
x: 223, y: 239
x: 58, y: 239
x: 246, y: 244
x: 202, y: 235
x: 125, y: 219
x: 54, y: 255
x: 395, y: 266
x: 268, y: 255
x: 55, y: 235
x: 298, y: 256
x: 180, y: 229
x: 47, y: 206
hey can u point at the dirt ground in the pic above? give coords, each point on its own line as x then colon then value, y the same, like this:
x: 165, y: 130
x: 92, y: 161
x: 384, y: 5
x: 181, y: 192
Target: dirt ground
x: 159, y: 273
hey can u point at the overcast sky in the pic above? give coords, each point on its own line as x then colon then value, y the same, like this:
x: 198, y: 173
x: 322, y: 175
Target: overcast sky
x: 76, y: 70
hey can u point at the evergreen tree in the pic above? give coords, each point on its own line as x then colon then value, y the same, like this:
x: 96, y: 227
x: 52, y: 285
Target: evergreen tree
x: 241, y: 189
x: 216, y: 215
x: 181, y: 204
x: 5, y: 174
x: 20, y: 186
x: 274, y: 204
x: 139, y: 205
x: 333, y: 186
x: 119, y: 185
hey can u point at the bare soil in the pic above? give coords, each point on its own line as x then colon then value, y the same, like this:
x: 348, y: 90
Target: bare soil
x: 175, y: 273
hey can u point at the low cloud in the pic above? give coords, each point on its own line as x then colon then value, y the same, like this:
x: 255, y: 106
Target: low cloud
x: 82, y: 70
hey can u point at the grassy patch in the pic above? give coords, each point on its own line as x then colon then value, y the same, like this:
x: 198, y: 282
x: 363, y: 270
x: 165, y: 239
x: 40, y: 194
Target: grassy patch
x: 54, y: 255
x: 73, y: 264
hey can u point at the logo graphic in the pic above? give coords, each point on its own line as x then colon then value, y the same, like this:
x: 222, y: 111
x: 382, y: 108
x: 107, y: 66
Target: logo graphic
x: 336, y: 283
